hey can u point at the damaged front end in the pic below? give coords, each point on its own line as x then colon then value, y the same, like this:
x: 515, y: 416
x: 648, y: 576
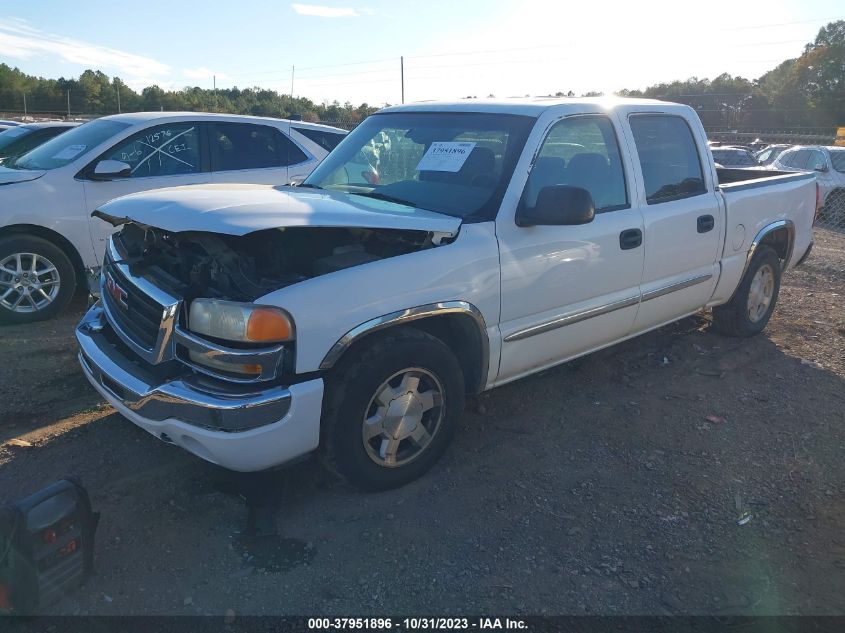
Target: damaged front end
x: 190, y: 297
x: 247, y: 267
x: 187, y: 340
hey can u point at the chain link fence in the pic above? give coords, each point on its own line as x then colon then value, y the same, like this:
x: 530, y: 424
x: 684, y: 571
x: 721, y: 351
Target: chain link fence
x: 832, y: 214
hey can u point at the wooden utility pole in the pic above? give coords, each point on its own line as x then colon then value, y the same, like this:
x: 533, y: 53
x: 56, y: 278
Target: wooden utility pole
x: 117, y: 86
x: 402, y: 72
x: 68, y: 104
x: 24, y: 105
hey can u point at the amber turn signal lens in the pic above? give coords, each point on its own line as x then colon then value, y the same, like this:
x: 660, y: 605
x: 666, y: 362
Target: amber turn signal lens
x: 268, y: 324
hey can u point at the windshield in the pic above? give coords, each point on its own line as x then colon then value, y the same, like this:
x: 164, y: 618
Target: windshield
x: 454, y: 163
x: 837, y: 157
x: 12, y: 135
x: 733, y: 158
x: 69, y: 146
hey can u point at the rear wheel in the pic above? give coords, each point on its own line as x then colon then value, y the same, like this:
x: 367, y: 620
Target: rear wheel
x: 37, y: 279
x: 751, y: 307
x: 391, y: 409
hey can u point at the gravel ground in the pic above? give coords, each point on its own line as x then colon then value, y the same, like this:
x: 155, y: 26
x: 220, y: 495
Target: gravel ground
x: 611, y: 485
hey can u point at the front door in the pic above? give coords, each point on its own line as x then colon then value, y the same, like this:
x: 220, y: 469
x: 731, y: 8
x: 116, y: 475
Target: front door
x: 569, y: 289
x: 163, y: 155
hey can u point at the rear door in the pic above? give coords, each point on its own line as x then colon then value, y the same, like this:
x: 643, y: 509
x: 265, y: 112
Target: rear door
x: 683, y: 218
x: 254, y: 153
x: 161, y: 155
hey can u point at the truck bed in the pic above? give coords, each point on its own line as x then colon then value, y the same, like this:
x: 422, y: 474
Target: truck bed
x: 737, y: 179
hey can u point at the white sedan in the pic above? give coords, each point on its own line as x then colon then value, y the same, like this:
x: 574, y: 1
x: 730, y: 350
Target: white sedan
x: 48, y: 239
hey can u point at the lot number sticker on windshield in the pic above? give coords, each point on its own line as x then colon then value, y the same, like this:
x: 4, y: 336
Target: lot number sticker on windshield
x: 445, y: 156
x: 69, y: 152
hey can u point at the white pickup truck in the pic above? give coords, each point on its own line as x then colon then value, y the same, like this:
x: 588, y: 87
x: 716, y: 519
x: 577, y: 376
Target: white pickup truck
x: 252, y: 325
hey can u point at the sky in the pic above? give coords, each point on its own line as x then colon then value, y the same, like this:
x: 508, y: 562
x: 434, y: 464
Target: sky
x: 349, y: 50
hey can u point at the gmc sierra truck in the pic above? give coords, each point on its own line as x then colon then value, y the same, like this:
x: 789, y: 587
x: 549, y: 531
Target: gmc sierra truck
x: 252, y: 325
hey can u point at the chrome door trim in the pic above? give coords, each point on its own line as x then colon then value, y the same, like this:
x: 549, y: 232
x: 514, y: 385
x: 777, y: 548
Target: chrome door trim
x: 573, y: 317
x: 678, y: 285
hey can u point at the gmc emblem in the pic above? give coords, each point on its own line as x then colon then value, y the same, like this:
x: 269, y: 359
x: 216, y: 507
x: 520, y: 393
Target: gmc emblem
x: 116, y: 292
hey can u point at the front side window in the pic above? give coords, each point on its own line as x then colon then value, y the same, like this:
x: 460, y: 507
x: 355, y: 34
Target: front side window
x: 169, y: 149
x: 237, y: 146
x: 67, y: 147
x: 668, y: 157
x: 816, y: 160
x: 800, y: 158
x: 580, y: 151
x: 837, y: 157
x: 453, y: 163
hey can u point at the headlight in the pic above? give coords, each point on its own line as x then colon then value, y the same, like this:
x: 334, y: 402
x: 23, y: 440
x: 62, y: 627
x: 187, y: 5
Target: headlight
x: 245, y: 322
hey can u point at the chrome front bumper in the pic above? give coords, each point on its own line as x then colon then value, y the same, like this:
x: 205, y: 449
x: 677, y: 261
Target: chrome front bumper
x: 197, y: 400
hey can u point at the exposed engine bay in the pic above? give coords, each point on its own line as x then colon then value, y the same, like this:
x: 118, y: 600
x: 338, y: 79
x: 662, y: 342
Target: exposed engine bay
x: 244, y: 268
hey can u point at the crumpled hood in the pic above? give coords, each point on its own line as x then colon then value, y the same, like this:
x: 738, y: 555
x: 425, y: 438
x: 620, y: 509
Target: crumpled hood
x: 242, y: 209
x: 9, y: 176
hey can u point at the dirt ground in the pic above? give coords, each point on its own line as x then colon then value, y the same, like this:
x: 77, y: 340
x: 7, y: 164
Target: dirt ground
x: 612, y: 485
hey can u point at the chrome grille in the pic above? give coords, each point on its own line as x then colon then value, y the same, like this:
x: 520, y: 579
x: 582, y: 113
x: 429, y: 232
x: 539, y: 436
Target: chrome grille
x: 140, y: 313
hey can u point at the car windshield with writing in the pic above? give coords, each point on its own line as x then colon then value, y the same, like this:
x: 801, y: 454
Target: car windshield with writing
x: 67, y: 147
x: 456, y: 163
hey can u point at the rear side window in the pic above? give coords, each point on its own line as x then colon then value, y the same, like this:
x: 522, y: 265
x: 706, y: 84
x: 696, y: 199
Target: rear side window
x: 171, y: 149
x: 580, y: 151
x: 668, y: 157
x: 327, y: 140
x: 237, y: 146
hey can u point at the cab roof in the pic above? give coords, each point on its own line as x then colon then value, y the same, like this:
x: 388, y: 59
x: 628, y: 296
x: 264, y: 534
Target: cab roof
x: 527, y: 106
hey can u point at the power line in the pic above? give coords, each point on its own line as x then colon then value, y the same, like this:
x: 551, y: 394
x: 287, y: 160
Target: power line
x: 766, y: 26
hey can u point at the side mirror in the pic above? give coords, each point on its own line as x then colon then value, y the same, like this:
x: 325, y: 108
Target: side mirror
x: 108, y: 169
x: 558, y: 205
x: 822, y: 168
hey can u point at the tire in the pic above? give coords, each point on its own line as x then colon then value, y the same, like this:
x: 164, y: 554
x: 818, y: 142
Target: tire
x: 363, y: 386
x: 761, y: 282
x: 25, y: 298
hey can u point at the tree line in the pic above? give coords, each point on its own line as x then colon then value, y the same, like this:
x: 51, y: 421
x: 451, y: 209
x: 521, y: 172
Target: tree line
x: 805, y: 92
x: 94, y: 92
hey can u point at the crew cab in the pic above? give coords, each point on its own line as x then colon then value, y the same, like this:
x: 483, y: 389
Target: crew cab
x: 48, y: 240
x: 352, y: 314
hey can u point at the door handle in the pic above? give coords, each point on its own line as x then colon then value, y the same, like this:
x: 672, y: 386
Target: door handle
x: 630, y: 238
x: 705, y: 223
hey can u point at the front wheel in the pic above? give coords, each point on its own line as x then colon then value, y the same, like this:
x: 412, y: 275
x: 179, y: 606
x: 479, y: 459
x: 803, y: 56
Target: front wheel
x: 37, y: 279
x: 391, y: 409
x: 751, y: 307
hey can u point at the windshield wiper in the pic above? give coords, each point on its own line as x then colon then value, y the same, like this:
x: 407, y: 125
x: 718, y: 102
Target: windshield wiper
x: 377, y: 195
